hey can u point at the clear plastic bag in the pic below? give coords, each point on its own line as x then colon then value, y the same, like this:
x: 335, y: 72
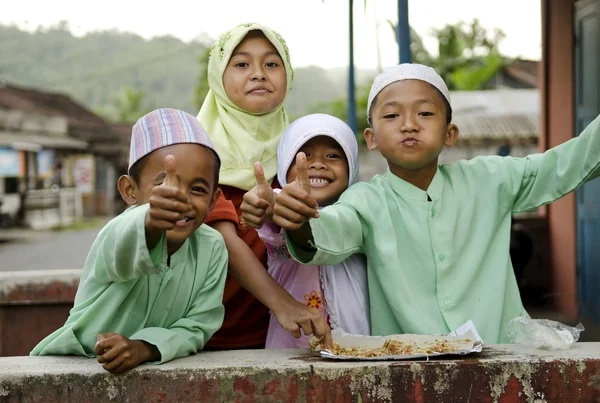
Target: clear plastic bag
x: 542, y: 333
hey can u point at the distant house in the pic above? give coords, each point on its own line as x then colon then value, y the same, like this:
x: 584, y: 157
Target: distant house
x: 502, y: 120
x: 53, y: 140
x: 123, y: 130
x: 495, y: 122
x: 519, y: 74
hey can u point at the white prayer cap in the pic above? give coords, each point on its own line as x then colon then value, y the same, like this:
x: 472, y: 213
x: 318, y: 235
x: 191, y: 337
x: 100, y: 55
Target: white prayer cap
x: 406, y: 71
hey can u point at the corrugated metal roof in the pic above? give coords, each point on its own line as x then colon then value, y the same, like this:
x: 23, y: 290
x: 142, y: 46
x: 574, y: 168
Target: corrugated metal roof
x: 45, y: 141
x: 496, y: 102
x: 48, y: 103
x: 496, y: 114
x: 485, y: 127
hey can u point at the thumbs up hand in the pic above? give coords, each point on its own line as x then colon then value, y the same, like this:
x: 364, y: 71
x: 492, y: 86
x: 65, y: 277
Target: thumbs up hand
x: 302, y: 180
x: 168, y: 203
x: 257, y: 204
x: 170, y: 172
x: 295, y: 205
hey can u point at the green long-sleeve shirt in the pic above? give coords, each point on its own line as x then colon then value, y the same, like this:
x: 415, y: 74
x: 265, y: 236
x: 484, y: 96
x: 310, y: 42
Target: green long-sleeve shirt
x: 130, y: 290
x: 440, y: 257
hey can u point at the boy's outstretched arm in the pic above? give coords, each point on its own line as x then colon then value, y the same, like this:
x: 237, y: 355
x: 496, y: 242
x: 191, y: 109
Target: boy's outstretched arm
x: 250, y: 273
x: 335, y: 233
x: 302, y: 238
x: 168, y: 203
x: 295, y: 206
x: 293, y: 209
x: 121, y: 253
x: 134, y: 243
x: 542, y: 178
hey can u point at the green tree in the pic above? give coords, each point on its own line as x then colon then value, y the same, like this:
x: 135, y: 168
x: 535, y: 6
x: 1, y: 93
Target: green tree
x: 202, y: 86
x: 418, y: 52
x: 339, y: 109
x: 468, y: 59
x: 130, y: 106
x: 95, y: 68
x: 468, y: 55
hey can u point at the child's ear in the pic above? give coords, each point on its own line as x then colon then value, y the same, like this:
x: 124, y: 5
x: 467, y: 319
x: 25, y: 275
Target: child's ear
x: 213, y: 200
x: 127, y: 188
x: 451, y: 135
x: 370, y: 138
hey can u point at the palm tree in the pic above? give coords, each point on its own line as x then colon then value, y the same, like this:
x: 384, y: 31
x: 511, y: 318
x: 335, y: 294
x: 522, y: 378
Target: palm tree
x: 468, y: 55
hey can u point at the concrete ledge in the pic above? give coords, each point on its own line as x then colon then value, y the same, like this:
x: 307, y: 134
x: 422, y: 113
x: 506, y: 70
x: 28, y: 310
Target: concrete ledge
x: 502, y: 373
x: 38, y: 286
x: 33, y: 304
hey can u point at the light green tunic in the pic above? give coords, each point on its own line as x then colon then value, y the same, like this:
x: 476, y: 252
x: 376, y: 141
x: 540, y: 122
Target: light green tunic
x: 433, y: 265
x: 129, y: 290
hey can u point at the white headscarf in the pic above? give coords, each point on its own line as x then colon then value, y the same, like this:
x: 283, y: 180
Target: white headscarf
x: 344, y: 284
x: 305, y: 128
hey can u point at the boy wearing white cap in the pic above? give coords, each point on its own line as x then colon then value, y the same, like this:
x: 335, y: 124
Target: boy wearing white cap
x: 152, y: 286
x: 436, y: 237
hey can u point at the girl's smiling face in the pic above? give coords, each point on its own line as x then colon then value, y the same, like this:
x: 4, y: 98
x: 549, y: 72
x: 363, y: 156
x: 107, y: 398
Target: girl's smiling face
x: 328, y: 170
x: 255, y: 77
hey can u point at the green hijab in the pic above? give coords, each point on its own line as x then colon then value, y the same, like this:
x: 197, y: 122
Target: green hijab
x: 242, y: 138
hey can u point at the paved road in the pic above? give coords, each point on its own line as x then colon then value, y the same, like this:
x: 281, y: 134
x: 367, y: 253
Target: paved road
x: 47, y: 250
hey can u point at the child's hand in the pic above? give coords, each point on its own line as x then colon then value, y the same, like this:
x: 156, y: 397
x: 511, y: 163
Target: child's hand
x: 117, y: 353
x: 258, y: 201
x: 168, y: 202
x: 294, y: 316
x: 295, y: 205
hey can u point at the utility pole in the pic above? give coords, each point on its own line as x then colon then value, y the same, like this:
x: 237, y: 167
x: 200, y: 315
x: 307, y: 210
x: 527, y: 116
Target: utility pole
x: 351, y: 81
x: 403, y: 32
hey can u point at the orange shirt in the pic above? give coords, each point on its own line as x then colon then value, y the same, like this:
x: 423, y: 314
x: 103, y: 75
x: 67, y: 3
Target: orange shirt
x: 246, y: 319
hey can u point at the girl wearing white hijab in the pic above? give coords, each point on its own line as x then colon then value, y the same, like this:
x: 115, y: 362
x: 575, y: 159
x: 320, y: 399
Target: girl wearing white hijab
x: 339, y: 291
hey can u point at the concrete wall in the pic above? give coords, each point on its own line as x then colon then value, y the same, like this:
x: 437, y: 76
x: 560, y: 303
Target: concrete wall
x: 502, y: 373
x: 33, y: 304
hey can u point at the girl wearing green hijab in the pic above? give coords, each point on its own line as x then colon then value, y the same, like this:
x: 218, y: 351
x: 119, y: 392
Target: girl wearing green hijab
x: 249, y: 74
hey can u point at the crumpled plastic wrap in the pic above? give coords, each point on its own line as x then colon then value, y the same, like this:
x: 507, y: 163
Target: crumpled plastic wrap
x: 544, y: 334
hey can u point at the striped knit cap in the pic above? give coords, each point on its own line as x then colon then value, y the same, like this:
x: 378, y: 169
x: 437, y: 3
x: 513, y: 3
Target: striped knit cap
x: 165, y: 127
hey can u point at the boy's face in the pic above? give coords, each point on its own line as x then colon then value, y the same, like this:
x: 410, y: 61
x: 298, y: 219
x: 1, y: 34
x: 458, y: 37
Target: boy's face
x: 327, y: 168
x: 409, y: 126
x: 255, y: 78
x: 195, y: 167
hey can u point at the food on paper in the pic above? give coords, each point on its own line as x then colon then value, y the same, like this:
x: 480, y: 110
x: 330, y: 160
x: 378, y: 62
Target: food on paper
x: 464, y: 340
x: 398, y: 347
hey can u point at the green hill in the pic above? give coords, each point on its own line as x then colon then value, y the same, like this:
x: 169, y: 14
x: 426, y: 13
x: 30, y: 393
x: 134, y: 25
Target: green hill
x: 97, y: 68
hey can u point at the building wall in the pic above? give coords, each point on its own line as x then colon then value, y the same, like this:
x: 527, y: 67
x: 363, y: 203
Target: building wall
x: 557, y: 127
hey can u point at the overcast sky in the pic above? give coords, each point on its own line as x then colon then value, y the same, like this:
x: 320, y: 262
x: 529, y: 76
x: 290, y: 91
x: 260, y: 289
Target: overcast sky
x: 316, y: 30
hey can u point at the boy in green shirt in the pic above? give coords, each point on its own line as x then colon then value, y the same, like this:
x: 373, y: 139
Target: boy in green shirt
x: 436, y: 237
x: 152, y: 286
